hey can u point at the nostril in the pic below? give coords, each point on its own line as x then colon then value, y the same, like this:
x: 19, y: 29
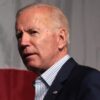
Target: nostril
x: 23, y: 44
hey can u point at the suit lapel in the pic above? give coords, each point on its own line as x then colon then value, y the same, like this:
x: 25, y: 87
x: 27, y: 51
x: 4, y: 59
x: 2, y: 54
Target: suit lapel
x: 60, y: 78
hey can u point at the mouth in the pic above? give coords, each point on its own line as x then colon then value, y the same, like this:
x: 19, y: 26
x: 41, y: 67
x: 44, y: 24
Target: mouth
x: 25, y: 56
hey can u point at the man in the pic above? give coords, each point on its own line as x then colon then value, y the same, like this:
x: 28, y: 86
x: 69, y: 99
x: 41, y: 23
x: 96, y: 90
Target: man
x: 42, y: 32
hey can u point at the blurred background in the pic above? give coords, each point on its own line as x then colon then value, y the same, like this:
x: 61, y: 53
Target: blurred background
x: 84, y: 19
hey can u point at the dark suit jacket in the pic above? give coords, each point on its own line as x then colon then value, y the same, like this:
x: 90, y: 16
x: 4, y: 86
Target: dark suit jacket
x: 75, y: 82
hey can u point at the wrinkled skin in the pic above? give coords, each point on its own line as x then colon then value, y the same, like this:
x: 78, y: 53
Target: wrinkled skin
x: 40, y: 45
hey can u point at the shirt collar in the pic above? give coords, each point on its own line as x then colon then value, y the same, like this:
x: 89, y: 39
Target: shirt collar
x: 50, y: 74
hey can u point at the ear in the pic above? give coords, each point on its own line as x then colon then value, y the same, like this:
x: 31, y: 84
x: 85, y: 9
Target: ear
x: 62, y: 38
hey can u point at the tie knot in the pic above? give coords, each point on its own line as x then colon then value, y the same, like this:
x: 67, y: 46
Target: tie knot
x: 40, y: 88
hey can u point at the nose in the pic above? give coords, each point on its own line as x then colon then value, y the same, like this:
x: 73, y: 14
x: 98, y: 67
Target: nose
x: 25, y: 40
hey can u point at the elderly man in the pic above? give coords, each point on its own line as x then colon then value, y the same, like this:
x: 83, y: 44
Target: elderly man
x: 42, y: 32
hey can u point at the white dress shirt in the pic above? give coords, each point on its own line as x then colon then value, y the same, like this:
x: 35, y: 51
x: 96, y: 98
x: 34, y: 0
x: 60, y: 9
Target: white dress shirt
x: 44, y: 81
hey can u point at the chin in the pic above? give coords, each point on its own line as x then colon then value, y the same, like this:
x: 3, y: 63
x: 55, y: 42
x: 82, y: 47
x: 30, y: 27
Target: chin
x: 33, y: 67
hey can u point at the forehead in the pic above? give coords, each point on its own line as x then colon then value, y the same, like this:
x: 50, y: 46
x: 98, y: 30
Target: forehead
x: 35, y: 12
x: 34, y: 16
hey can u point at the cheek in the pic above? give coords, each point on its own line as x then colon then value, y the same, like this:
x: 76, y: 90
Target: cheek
x: 48, y: 46
x: 45, y: 44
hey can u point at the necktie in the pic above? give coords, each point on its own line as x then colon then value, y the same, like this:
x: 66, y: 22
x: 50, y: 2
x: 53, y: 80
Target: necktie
x: 40, y: 89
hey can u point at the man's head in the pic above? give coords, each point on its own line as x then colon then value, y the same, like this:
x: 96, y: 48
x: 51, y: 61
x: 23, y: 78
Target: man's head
x: 43, y: 34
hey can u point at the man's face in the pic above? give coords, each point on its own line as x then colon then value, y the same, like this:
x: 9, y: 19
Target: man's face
x: 37, y: 41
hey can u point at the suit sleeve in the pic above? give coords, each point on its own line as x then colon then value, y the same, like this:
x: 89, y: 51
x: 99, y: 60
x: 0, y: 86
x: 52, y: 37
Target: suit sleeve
x: 90, y: 87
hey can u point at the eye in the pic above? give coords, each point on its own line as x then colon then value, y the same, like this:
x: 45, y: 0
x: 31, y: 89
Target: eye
x: 32, y: 32
x: 19, y: 35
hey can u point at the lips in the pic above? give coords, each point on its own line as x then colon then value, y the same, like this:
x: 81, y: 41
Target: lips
x: 27, y: 55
